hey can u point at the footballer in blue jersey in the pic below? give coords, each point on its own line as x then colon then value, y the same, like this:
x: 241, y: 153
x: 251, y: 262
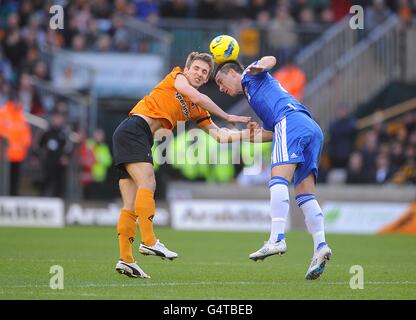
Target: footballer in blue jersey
x: 297, y: 144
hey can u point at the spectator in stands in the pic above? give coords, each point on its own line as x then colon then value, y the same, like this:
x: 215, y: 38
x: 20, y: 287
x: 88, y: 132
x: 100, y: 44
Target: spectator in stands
x: 29, y: 97
x: 32, y: 57
x: 282, y: 37
x: 41, y: 71
x: 296, y: 7
x: 85, y: 158
x: 80, y: 13
x: 256, y: 6
x: 101, y: 9
x: 375, y: 15
x: 174, y: 9
x: 342, y: 132
x: 407, y: 173
x: 78, y: 42
x: 15, y: 49
x: 326, y: 17
x: 120, y: 34
x: 308, y: 24
x: 6, y: 72
x: 25, y: 11
x: 104, y: 43
x: 356, y: 174
x: 292, y: 78
x: 410, y: 122
x: 103, y: 158
x: 25, y: 92
x: 369, y: 150
x: 102, y: 162
x: 16, y: 131
x: 405, y: 12
x: 54, y: 150
x: 307, y: 18
x: 380, y: 131
x: 54, y: 40
x: 147, y: 10
x: 397, y: 155
x: 383, y: 172
x: 4, y: 89
x: 412, y: 138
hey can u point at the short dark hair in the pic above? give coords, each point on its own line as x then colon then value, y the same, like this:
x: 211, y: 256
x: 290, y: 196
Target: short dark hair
x: 225, y: 67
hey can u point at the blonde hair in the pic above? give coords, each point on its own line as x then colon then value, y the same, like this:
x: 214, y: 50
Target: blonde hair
x: 206, y: 57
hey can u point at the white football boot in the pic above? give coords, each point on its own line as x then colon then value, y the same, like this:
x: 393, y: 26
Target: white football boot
x: 131, y: 270
x: 158, y: 249
x: 269, y: 249
x: 319, y: 260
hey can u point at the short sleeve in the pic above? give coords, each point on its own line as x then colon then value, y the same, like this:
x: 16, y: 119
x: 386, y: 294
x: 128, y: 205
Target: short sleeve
x: 175, y: 71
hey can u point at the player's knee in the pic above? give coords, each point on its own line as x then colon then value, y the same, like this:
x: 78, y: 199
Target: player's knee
x: 148, y: 183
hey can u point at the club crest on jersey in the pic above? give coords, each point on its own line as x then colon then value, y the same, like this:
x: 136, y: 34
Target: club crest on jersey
x: 184, y: 106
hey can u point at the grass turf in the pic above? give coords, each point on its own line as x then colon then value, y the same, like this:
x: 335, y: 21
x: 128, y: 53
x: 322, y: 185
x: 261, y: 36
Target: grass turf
x: 211, y: 265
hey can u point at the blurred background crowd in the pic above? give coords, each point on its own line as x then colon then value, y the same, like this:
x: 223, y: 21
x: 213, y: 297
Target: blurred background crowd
x: 52, y: 149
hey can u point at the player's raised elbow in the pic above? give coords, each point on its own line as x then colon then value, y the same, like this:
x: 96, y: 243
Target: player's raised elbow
x: 270, y: 61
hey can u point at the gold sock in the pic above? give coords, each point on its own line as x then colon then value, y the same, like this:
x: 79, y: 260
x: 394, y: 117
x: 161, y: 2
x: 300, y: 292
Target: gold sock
x: 126, y: 229
x: 145, y: 210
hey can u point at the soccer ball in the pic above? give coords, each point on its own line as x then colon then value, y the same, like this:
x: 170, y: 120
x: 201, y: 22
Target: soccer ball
x: 224, y: 48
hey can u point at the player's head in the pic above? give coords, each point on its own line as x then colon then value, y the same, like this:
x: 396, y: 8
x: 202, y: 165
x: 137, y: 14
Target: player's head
x: 228, y: 77
x: 198, y: 68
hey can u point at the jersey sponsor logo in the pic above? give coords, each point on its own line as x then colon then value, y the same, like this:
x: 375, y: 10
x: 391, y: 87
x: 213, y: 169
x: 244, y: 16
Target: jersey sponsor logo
x: 185, y: 108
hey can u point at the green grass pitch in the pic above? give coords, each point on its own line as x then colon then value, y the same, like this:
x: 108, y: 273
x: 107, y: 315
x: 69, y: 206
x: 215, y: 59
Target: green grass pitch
x: 211, y: 265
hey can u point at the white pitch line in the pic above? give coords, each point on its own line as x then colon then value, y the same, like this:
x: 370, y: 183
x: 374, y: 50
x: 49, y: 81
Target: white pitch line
x: 203, y: 283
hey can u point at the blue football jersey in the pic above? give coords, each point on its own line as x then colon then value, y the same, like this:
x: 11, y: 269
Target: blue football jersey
x: 269, y: 100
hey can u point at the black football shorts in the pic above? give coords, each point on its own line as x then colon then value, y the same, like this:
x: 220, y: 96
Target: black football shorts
x: 132, y: 142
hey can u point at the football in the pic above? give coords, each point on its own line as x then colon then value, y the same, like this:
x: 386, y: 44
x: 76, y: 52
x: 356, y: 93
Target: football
x: 224, y: 48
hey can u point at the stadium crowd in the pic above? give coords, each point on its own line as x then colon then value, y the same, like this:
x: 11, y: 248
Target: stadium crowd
x: 386, y: 154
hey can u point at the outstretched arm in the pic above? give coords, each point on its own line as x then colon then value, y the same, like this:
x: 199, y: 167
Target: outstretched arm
x: 225, y: 135
x: 184, y: 88
x: 253, y: 133
x: 258, y: 134
x: 264, y: 64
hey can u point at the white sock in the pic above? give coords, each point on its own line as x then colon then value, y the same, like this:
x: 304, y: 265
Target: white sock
x: 314, y: 218
x: 279, y: 205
